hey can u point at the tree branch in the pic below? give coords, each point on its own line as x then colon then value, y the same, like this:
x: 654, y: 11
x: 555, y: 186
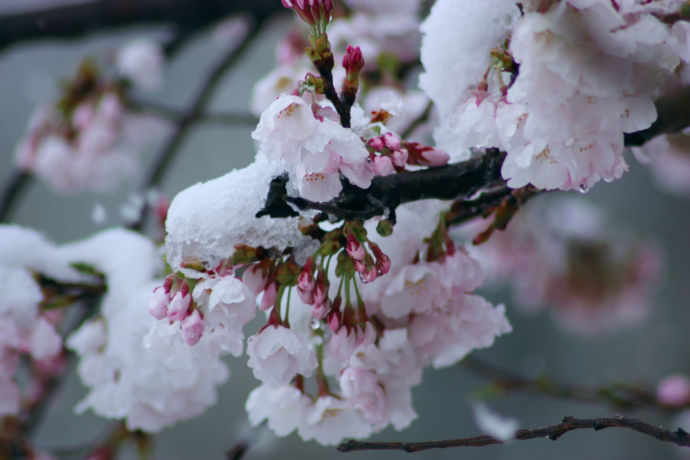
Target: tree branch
x: 618, y: 396
x: 456, y: 181
x: 192, y: 113
x: 388, y: 192
x: 14, y: 188
x: 679, y: 437
x: 22, y: 20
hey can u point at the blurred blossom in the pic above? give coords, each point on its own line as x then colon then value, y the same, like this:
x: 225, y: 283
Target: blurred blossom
x: 141, y: 61
x: 562, y: 255
x: 674, y: 390
x: 669, y: 159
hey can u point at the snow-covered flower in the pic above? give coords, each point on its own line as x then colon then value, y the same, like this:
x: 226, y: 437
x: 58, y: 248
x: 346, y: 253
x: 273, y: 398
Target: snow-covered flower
x: 317, y: 147
x: 588, y: 72
x: 150, y: 377
x: 207, y: 220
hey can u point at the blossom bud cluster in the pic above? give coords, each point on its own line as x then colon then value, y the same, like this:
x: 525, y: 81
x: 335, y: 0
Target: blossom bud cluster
x: 315, y: 13
x: 370, y: 33
x: 174, y: 302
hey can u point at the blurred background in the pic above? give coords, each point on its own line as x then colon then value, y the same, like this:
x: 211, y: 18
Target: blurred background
x: 30, y: 70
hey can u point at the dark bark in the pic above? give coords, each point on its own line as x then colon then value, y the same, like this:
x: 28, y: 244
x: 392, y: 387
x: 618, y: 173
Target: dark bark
x: 679, y: 437
x: 22, y: 20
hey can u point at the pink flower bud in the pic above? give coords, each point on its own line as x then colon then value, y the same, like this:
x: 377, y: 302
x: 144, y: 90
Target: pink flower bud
x: 360, y: 266
x: 368, y: 275
x: 333, y: 320
x: 354, y: 248
x: 353, y: 62
x: 158, y: 305
x: 184, y: 288
x: 383, y: 166
x: 399, y: 158
x: 435, y: 157
x: 391, y: 141
x: 193, y: 328
x: 179, y: 306
x: 321, y: 289
x: 305, y: 280
x: 311, y: 11
x: 306, y: 296
x: 674, y: 390
x: 255, y: 279
x: 269, y: 298
x: 167, y: 284
x: 320, y: 310
x: 376, y: 143
x: 383, y: 262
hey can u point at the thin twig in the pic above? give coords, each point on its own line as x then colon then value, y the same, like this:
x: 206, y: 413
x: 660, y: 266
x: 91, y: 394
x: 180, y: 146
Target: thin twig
x: 183, y: 124
x: 679, y: 437
x: 14, y: 188
x: 618, y: 396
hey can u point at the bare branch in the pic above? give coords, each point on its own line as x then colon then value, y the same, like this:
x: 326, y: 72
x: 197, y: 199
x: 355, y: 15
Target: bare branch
x: 618, y: 396
x: 679, y: 437
x: 15, y: 186
x: 22, y: 20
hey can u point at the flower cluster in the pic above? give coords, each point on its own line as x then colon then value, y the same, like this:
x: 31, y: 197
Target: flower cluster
x: 369, y: 312
x: 136, y: 369
x: 89, y: 140
x: 27, y: 325
x: 555, y: 87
